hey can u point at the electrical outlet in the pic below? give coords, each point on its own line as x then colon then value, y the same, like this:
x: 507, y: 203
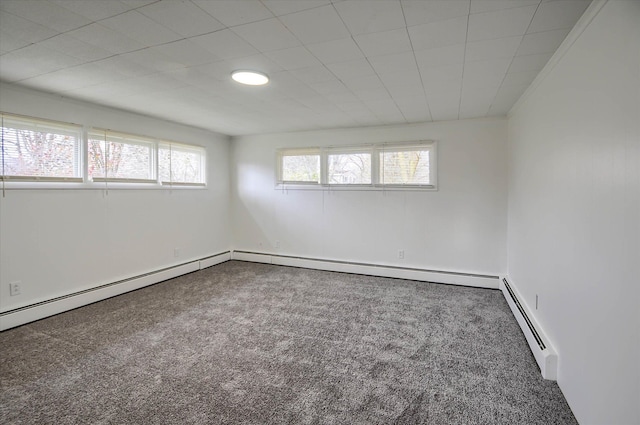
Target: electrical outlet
x: 14, y: 288
x: 536, y: 301
x: 401, y: 254
x: 277, y: 244
x: 176, y: 252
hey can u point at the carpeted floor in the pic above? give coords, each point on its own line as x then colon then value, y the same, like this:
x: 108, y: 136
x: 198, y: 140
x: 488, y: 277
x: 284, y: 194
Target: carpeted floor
x: 243, y: 343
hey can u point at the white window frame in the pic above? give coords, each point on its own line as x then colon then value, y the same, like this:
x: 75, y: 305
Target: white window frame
x: 64, y: 128
x: 163, y: 144
x: 129, y: 139
x: 82, y: 180
x: 376, y: 173
x: 429, y: 146
x: 282, y: 153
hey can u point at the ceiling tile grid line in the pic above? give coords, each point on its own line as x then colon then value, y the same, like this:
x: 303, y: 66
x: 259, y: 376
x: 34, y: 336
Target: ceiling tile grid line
x: 332, y: 63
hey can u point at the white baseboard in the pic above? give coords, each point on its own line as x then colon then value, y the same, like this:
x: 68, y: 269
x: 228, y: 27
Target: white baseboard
x: 453, y: 278
x: 40, y: 310
x: 544, y: 353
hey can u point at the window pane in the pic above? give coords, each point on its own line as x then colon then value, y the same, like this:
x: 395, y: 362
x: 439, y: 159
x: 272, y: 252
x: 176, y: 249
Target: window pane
x: 39, y: 149
x: 353, y: 168
x: 301, y: 168
x: 405, y: 167
x: 181, y: 164
x: 119, y: 158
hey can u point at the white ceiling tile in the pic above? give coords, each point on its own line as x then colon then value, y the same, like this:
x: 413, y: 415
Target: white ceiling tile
x: 17, y: 32
x: 258, y: 62
x: 418, y: 12
x: 186, y: 53
x: 480, y: 6
x: 393, y: 63
x: 506, y: 98
x: 498, y: 48
x: 316, y: 25
x: 542, y: 42
x: 32, y: 61
x: 293, y: 58
x: 500, y: 23
x: 384, y: 43
x: 368, y: 95
x: 352, y: 69
x: 284, y: 7
x: 519, y: 78
x: 368, y: 82
x: 105, y: 38
x: 441, y: 56
x: 235, y: 12
x: 135, y: 25
x: 118, y: 65
x: 439, y: 34
x: 94, y: 10
x: 529, y: 62
x: 340, y: 50
x: 153, y: 60
x: 344, y: 97
x: 397, y: 90
x: 365, y: 16
x: 44, y: 13
x: 484, y: 74
x: 182, y: 17
x: 225, y: 44
x: 438, y: 79
x: 476, y: 102
x: 314, y: 74
x: 444, y: 106
x: 557, y: 15
x: 328, y: 87
x: 414, y: 108
x: 76, y: 48
x: 387, y: 110
x: 267, y: 35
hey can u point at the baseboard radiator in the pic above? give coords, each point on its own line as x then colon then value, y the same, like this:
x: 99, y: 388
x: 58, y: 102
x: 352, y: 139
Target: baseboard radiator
x: 545, y: 355
x: 440, y: 276
x: 29, y: 313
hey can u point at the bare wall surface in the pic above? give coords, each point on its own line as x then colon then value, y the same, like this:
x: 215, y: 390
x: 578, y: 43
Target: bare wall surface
x: 58, y: 242
x: 574, y: 214
x: 460, y: 227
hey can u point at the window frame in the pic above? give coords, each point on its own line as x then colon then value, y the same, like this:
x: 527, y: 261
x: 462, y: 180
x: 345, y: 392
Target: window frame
x: 185, y: 147
x: 282, y: 153
x: 375, y: 150
x: 82, y: 180
x: 67, y: 128
x: 129, y: 139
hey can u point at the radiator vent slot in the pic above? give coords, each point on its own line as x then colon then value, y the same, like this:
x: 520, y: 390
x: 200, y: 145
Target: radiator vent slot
x: 524, y: 315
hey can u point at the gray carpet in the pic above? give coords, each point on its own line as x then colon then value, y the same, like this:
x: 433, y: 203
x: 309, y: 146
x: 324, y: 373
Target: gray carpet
x: 243, y: 343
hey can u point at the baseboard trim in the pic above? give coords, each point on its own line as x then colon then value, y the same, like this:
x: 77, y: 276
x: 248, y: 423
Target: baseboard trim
x: 425, y: 275
x: 544, y: 353
x: 26, y: 314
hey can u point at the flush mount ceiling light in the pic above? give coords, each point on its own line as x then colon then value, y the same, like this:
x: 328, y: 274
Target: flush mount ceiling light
x: 251, y: 78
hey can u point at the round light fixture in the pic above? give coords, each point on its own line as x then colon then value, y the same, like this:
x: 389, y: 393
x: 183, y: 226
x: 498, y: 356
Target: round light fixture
x: 251, y: 78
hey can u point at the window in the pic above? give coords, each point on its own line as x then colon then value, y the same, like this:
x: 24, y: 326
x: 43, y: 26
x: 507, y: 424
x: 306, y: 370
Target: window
x: 387, y: 165
x: 34, y: 149
x: 120, y: 157
x: 299, y: 166
x: 349, y: 168
x: 181, y: 164
x: 405, y: 166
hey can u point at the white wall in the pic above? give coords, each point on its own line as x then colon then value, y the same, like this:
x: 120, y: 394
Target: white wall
x: 574, y: 214
x: 461, y: 227
x: 58, y: 242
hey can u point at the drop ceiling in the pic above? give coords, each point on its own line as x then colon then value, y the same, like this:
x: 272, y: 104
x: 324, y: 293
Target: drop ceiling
x: 331, y: 63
